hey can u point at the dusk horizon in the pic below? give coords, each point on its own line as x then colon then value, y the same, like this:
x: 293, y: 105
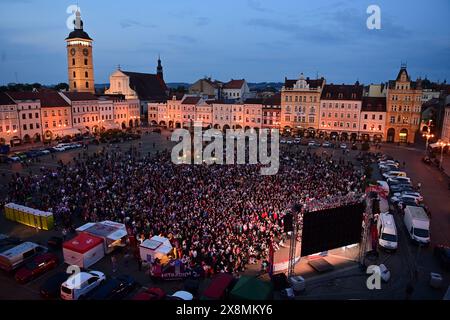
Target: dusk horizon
x: 261, y: 41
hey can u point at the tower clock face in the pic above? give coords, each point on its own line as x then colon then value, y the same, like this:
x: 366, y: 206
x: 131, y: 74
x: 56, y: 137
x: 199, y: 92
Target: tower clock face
x: 72, y: 51
x: 85, y: 51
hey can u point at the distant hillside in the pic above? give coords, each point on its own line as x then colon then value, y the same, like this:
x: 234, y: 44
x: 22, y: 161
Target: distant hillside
x: 174, y: 85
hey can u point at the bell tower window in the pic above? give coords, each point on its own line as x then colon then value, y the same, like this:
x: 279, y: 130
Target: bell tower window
x: 74, y: 84
x: 86, y: 74
x: 85, y: 62
x: 74, y: 74
x: 73, y: 61
x: 87, y: 84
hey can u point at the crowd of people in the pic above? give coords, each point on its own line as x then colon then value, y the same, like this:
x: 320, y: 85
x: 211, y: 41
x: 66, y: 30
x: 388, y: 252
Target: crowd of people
x: 223, y: 217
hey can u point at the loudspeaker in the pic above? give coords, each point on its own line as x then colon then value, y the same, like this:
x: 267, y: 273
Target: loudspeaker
x: 287, y: 221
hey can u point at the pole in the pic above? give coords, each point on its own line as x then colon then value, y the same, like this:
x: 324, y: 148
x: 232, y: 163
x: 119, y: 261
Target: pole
x: 442, y: 156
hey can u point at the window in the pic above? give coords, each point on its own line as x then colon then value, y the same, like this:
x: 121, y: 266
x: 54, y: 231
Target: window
x: 24, y: 116
x: 74, y: 74
x: 380, y: 117
x: 364, y: 126
x: 36, y: 115
x: 74, y: 84
x: 392, y: 120
x: 373, y: 117
x: 365, y: 117
x: 24, y: 127
x: 86, y: 74
x: 73, y: 61
x: 31, y: 126
x: 87, y: 84
x: 379, y: 127
x: 85, y: 62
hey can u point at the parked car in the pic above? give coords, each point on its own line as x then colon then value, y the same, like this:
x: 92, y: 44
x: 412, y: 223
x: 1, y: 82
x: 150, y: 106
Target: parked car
x: 283, y: 141
x: 37, y: 267
x: 181, y: 295
x: 398, y: 180
x: 77, y: 286
x: 442, y: 253
x: 327, y: 144
x: 399, y: 187
x: 343, y: 146
x: 150, y: 294
x: 416, y: 195
x: 52, y: 286
x: 113, y: 289
x: 297, y: 140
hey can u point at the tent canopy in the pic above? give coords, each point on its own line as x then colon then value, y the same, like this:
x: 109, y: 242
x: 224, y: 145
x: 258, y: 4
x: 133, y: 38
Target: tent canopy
x: 250, y: 288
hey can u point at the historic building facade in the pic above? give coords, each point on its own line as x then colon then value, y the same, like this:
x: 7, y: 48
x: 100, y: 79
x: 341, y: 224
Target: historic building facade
x: 404, y: 100
x: 79, y: 59
x: 300, y: 101
x: 340, y: 109
x: 9, y: 120
x: 29, y: 114
x: 373, y: 119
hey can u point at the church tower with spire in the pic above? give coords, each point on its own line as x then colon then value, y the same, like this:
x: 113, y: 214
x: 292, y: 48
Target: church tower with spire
x: 159, y: 69
x: 79, y: 58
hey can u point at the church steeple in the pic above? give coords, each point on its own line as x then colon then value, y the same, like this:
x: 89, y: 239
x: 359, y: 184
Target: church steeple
x: 159, y: 69
x: 78, y: 22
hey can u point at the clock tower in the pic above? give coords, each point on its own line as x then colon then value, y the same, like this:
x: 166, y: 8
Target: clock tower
x: 79, y: 58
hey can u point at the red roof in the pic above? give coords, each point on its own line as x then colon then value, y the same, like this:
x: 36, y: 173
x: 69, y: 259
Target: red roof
x: 80, y: 96
x: 191, y: 100
x: 24, y: 95
x: 82, y: 243
x: 52, y: 99
x: 234, y: 84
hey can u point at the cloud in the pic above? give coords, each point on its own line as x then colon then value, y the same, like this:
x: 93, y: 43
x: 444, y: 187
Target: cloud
x: 127, y: 23
x: 202, y: 21
x: 256, y: 5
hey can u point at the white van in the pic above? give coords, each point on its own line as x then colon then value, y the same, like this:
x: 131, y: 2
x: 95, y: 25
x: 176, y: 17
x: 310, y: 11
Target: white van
x: 78, y: 285
x: 387, y: 231
x: 15, y: 257
x: 418, y: 224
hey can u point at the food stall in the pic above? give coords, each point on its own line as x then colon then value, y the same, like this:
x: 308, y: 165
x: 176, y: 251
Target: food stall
x: 156, y: 247
x: 84, y: 250
x: 113, y: 234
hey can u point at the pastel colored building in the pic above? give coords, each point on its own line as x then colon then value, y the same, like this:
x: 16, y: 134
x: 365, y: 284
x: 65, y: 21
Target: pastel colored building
x: 9, y: 120
x: 373, y: 119
x: 29, y: 114
x: 340, y: 108
x: 300, y: 101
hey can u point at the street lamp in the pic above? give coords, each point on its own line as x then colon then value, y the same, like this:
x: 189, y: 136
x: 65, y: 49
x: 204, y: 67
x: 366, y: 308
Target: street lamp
x: 427, y: 135
x: 442, y: 144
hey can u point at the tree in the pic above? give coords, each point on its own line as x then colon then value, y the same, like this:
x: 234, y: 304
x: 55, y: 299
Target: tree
x: 61, y: 86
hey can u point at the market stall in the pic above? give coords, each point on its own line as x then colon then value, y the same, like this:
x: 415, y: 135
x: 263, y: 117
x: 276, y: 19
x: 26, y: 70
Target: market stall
x: 156, y: 247
x: 84, y: 250
x: 113, y: 234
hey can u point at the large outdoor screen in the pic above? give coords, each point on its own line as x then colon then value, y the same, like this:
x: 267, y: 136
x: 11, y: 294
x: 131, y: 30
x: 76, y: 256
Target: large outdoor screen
x: 331, y: 228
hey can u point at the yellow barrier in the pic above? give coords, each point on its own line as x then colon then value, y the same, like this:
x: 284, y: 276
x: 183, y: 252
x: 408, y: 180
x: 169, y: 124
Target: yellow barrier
x: 29, y: 216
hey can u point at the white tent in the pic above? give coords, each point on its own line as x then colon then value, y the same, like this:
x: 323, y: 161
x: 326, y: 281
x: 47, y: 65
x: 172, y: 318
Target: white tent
x: 153, y: 248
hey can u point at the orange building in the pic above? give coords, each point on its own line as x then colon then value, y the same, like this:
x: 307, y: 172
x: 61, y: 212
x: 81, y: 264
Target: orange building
x: 56, y: 115
x: 403, y: 108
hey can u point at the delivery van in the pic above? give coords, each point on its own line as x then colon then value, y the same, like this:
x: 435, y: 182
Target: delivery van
x: 15, y: 257
x: 387, y: 232
x: 417, y: 224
